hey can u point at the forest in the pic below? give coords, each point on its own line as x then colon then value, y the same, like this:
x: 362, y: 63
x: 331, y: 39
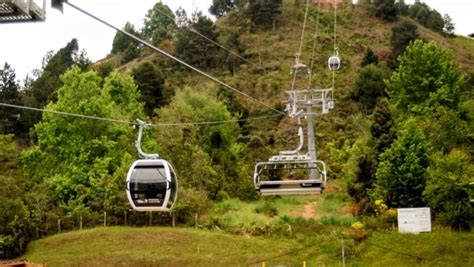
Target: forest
x: 400, y: 135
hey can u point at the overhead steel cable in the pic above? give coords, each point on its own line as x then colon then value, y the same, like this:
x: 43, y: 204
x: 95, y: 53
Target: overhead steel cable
x: 335, y: 41
x: 205, y: 37
x: 315, y: 40
x: 62, y: 113
x: 300, y: 46
x: 173, y: 57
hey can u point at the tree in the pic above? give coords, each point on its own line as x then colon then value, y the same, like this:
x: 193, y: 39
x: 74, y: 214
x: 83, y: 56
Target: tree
x: 446, y: 130
x: 369, y: 58
x: 386, y: 10
x: 159, y: 23
x: 428, y: 17
x: 221, y: 7
x: 402, y: 7
x: 382, y: 128
x: 426, y: 78
x: 447, y: 189
x: 264, y: 12
x: 402, y: 35
x: 126, y: 45
x: 435, y: 21
x: 448, y: 28
x: 369, y: 87
x: 15, y: 223
x: 208, y: 156
x: 363, y: 182
x: 402, y: 170
x: 80, y: 158
x: 151, y: 84
x: 194, y: 49
x: 38, y: 92
x: 8, y: 94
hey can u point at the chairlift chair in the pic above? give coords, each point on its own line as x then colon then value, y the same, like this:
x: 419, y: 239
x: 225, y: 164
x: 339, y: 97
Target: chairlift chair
x: 299, y: 69
x: 290, y: 177
x: 151, y: 184
x: 290, y: 172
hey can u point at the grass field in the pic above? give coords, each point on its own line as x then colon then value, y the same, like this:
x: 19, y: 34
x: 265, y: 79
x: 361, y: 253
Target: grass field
x: 158, y: 246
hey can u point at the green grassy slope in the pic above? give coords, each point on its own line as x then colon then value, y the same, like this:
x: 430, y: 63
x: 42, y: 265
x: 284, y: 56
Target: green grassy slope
x: 151, y: 247
x: 158, y: 246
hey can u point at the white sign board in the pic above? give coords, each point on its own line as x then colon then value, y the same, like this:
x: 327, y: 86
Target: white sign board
x: 414, y: 220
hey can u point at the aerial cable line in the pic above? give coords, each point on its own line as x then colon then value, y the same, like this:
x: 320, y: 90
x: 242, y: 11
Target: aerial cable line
x: 206, y: 38
x: 315, y: 40
x: 173, y: 58
x: 297, y: 59
x: 335, y: 42
x: 62, y: 113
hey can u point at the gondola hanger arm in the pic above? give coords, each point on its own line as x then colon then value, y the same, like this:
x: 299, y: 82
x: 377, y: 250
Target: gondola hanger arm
x: 138, y: 144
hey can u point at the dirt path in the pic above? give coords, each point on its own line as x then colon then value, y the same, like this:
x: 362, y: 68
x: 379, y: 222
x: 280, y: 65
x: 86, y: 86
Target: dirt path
x: 308, y: 212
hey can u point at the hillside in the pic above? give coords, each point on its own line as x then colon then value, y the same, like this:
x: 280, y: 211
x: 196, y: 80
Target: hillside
x: 401, y: 135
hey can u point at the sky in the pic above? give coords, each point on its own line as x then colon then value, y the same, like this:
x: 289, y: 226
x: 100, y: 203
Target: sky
x: 23, y: 45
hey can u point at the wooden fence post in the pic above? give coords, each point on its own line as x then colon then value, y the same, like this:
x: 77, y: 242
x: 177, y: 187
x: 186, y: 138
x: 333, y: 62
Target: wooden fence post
x: 105, y: 218
x: 80, y: 223
x: 59, y: 225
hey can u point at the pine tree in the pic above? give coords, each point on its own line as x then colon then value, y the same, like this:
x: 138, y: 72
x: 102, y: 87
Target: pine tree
x: 448, y: 28
x: 9, y: 95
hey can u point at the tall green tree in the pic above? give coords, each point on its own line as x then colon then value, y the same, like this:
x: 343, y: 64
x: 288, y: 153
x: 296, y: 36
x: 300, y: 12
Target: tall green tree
x: 208, y: 156
x: 369, y: 58
x: 264, y: 12
x: 15, y: 225
x: 151, y: 84
x: 194, y: 49
x: 124, y: 44
x: 448, y: 189
x: 428, y: 17
x: 403, y: 34
x: 43, y: 88
x: 369, y: 87
x: 382, y: 126
x: 385, y: 9
x: 83, y: 161
x: 159, y: 23
x: 402, y: 7
x: 9, y: 94
x: 448, y: 28
x: 220, y: 8
x: 426, y: 78
x: 402, y: 171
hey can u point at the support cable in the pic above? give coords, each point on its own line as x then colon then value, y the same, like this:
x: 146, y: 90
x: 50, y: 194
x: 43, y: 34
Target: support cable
x: 62, y: 113
x: 314, y: 45
x: 335, y: 44
x: 173, y: 58
x: 301, y: 45
x: 418, y: 258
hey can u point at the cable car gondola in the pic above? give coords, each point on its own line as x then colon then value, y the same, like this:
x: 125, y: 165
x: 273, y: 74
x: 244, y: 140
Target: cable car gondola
x: 334, y: 62
x: 152, y: 183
